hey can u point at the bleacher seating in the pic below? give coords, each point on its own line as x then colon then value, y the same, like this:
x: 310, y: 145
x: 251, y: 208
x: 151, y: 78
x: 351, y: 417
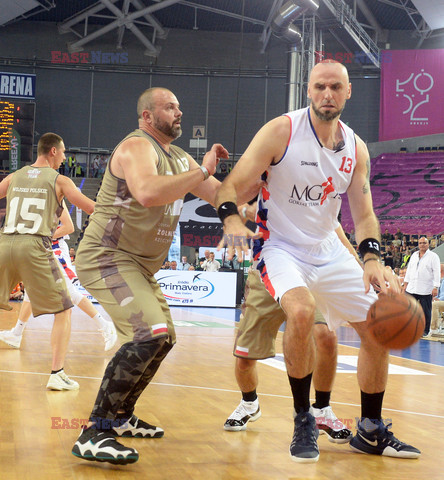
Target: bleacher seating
x: 408, y: 192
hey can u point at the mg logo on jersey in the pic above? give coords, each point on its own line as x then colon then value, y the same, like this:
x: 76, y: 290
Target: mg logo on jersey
x: 309, y: 194
x: 312, y: 195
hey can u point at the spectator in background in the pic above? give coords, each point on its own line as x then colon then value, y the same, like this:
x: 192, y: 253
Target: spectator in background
x: 397, y: 241
x: 352, y: 236
x: 422, y: 279
x: 399, y: 233
x: 406, y: 258
x: 397, y: 257
x: 211, y: 265
x: 387, y: 237
x: 72, y: 254
x: 438, y: 307
x: 388, y: 258
x: 184, y: 265
x: 95, y: 167
x: 204, y: 258
x: 102, y: 165
x: 72, y: 163
x: 17, y: 293
x: 405, y: 241
x: 173, y: 265
x: 192, y: 267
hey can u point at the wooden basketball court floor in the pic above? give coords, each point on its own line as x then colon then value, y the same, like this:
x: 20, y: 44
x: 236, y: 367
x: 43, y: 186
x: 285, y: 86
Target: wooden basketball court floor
x: 191, y: 396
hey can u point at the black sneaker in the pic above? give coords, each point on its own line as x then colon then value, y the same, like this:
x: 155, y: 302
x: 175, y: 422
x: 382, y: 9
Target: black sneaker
x: 134, y: 427
x: 304, y: 446
x: 101, y: 446
x: 374, y: 438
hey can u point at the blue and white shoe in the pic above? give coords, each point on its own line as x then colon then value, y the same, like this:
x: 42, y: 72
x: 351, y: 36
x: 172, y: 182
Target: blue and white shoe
x: 374, y: 438
x: 304, y: 446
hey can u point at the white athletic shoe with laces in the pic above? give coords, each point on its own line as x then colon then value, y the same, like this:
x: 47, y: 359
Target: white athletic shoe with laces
x: 10, y: 339
x: 61, y: 381
x: 245, y: 412
x: 109, y: 335
x: 328, y: 423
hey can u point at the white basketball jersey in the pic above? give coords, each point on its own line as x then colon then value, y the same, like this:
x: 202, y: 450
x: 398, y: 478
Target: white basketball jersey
x: 302, y: 199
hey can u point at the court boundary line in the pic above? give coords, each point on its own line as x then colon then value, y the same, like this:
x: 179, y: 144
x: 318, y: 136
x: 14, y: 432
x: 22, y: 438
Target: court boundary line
x: 227, y: 390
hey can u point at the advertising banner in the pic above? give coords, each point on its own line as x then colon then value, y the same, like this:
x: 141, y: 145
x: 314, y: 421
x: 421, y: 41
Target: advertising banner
x: 198, y: 289
x: 411, y: 94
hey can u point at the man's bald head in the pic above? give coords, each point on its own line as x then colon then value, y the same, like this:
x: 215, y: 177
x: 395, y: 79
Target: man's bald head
x: 330, y: 66
x: 148, y: 99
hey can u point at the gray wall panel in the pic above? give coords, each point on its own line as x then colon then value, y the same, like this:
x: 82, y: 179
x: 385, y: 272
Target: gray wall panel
x: 114, y: 112
x: 62, y: 104
x: 362, y: 110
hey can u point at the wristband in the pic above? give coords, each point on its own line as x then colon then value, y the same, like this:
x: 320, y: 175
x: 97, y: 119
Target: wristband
x: 369, y: 245
x: 244, y: 212
x: 227, y: 209
x: 370, y: 259
x: 205, y: 172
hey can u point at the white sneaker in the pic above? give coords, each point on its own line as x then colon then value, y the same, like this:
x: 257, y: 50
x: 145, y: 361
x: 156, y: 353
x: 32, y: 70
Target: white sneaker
x: 244, y: 413
x: 109, y: 335
x: 9, y: 338
x: 61, y: 381
x: 329, y: 424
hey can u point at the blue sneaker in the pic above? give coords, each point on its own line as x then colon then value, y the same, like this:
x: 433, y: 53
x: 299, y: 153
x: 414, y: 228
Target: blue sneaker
x: 374, y: 438
x: 304, y: 446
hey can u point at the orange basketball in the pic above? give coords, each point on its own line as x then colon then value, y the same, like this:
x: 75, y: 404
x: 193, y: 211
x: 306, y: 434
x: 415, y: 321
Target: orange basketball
x: 396, y: 321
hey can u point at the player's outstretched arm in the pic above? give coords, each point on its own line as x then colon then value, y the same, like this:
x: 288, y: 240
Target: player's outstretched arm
x: 135, y: 160
x: 267, y: 147
x: 65, y: 187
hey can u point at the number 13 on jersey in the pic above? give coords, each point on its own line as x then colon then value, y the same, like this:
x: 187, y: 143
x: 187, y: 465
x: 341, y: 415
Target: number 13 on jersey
x: 346, y: 165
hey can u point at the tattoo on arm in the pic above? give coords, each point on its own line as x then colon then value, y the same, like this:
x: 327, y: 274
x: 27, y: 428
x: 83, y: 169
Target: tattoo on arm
x: 366, y: 187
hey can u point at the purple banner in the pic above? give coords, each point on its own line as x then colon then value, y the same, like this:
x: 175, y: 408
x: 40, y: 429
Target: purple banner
x: 411, y: 94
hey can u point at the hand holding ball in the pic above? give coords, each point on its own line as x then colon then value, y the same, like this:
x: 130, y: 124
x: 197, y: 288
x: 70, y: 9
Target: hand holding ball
x: 396, y: 321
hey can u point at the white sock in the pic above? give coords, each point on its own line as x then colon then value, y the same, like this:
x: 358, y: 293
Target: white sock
x: 19, y: 327
x: 100, y: 320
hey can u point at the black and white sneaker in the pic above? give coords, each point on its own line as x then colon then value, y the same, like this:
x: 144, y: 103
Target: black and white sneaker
x: 134, y: 427
x: 101, y: 446
x: 245, y: 412
x: 374, y: 438
x: 329, y: 424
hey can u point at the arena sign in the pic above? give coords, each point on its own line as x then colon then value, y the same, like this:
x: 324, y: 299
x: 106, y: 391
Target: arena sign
x: 17, y: 85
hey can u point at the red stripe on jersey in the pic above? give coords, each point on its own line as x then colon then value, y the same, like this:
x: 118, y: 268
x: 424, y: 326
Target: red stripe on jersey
x: 266, y: 280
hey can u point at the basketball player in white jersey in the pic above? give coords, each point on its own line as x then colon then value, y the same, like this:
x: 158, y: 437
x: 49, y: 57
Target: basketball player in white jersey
x: 310, y: 158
